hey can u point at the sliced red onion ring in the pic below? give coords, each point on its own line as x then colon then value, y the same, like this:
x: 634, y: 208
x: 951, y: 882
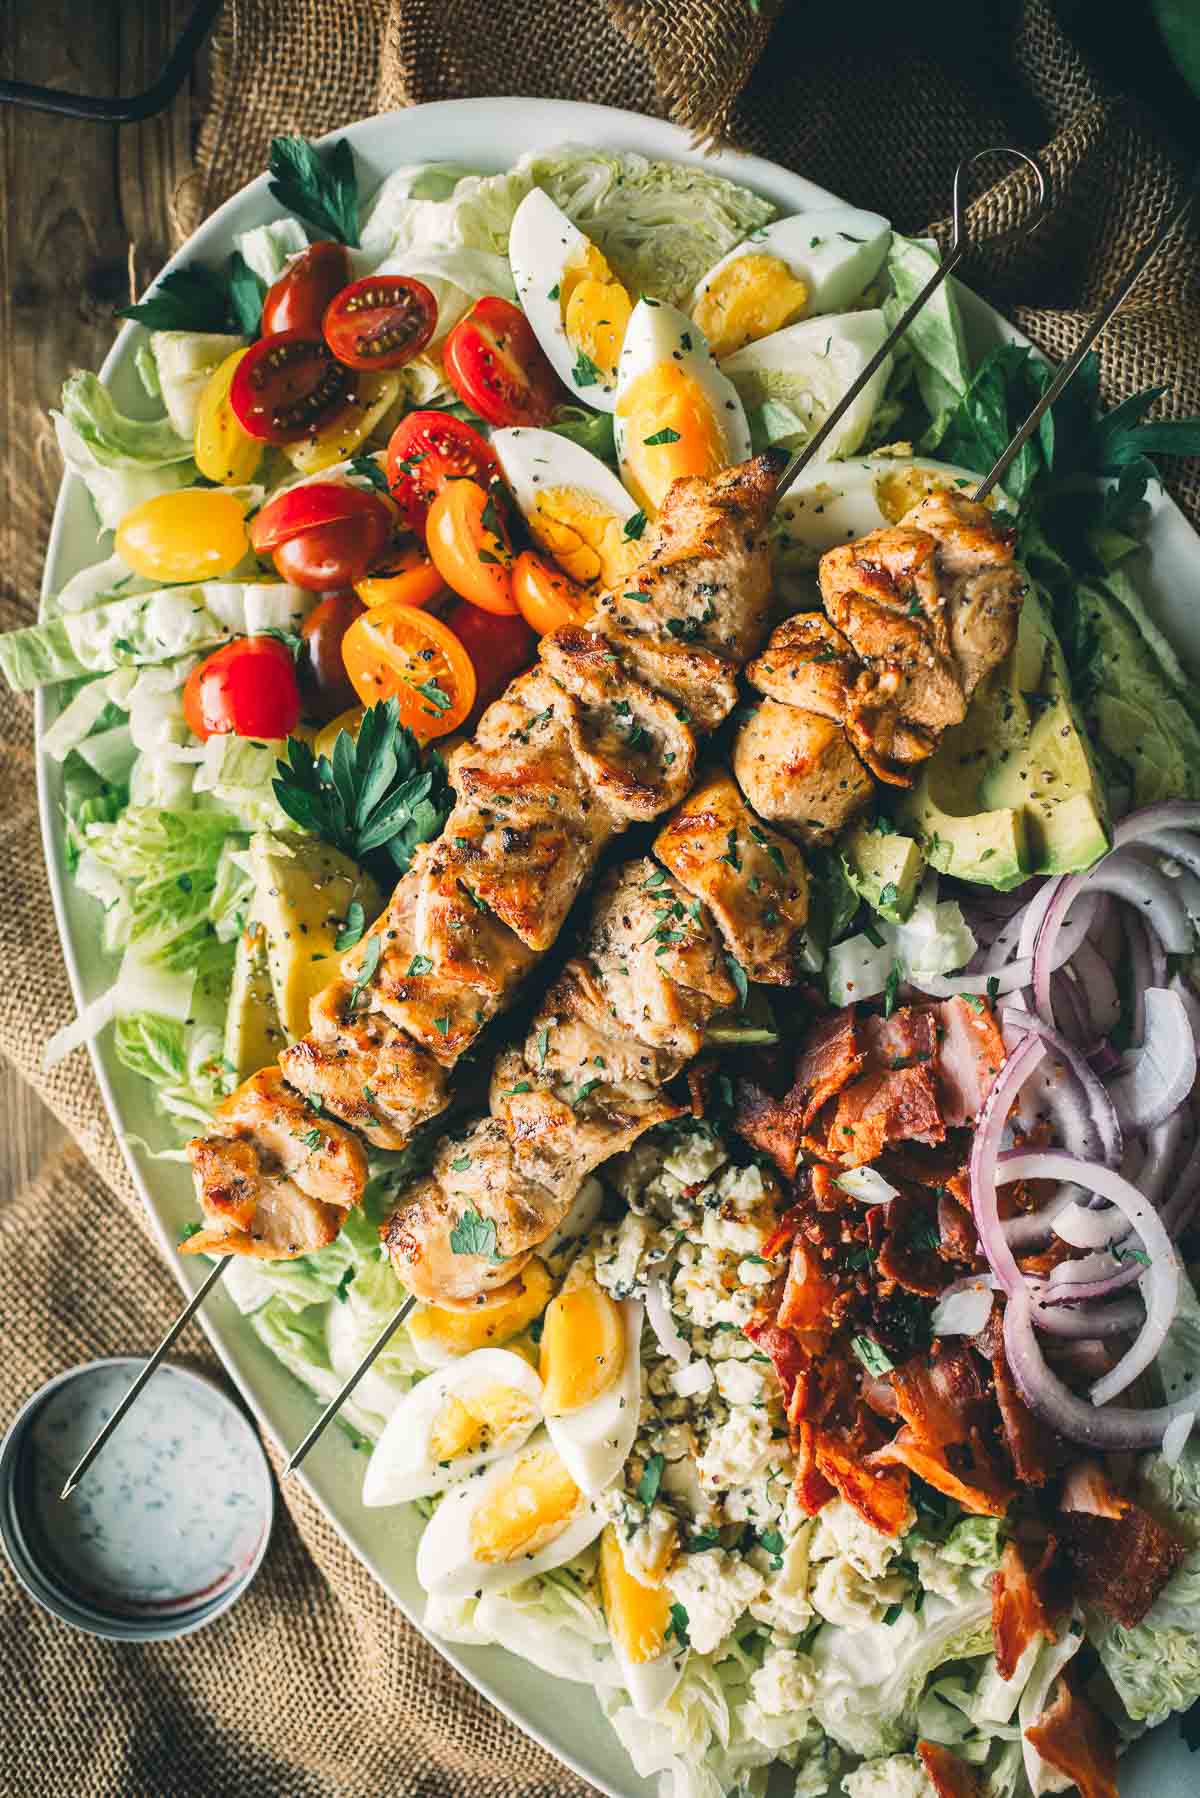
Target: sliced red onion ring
x: 1033, y: 1229
x: 1098, y: 988
x: 1101, y: 1127
x: 1114, y: 1427
x: 1175, y: 1438
x: 1172, y: 814
x: 1154, y: 1080
x: 1159, y: 1282
x: 1069, y: 1007
x: 666, y: 1331
x: 1180, y: 1207
x: 985, y: 1152
x: 1149, y: 891
x: 946, y: 986
x: 1088, y: 1322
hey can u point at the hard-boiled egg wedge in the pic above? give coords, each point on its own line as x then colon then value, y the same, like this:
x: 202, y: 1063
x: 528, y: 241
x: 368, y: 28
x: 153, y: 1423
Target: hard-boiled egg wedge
x: 811, y: 263
x: 591, y: 1375
x: 456, y: 1421
x: 575, y: 507
x: 638, y: 1618
x: 836, y: 502
x: 576, y: 305
x: 805, y: 369
x: 677, y: 413
x: 568, y: 1234
x: 523, y: 1516
x: 444, y: 1333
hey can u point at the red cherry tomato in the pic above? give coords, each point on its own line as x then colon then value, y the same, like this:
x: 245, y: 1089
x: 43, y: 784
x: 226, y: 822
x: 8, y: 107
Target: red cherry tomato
x: 427, y: 450
x: 297, y: 301
x: 324, y: 534
x: 286, y: 387
x: 500, y: 644
x: 324, y: 684
x: 495, y: 363
x: 247, y: 689
x: 380, y: 322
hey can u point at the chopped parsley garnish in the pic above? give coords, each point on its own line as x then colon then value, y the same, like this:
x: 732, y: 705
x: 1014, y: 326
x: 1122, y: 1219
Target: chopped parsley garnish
x: 368, y: 469
x: 420, y: 964
x: 635, y: 525
x: 651, y: 1480
x: 475, y: 1235
x: 890, y: 990
x: 366, y: 973
x: 461, y: 1163
x: 344, y: 1284
x: 585, y: 372
x: 738, y: 975
x: 876, y: 1360
x: 678, y: 1626
x: 353, y: 927
x: 666, y: 435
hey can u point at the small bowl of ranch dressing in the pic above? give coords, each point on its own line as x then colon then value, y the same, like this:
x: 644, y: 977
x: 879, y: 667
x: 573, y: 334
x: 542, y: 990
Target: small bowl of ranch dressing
x: 170, y: 1523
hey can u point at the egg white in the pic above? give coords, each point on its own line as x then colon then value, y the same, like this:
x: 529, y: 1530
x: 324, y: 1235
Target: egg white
x: 809, y: 367
x: 542, y: 243
x: 595, y: 1441
x: 837, y: 251
x: 446, y: 1564
x: 585, y: 1209
x: 659, y: 334
x: 837, y: 502
x: 533, y: 459
x: 402, y: 1466
x: 650, y: 1683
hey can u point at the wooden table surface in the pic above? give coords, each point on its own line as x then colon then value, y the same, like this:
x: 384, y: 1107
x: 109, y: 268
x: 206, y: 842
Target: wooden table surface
x: 87, y: 209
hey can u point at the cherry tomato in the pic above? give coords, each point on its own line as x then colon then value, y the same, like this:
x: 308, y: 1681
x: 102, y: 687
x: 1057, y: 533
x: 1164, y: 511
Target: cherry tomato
x: 224, y: 452
x: 466, y: 539
x: 297, y: 300
x: 339, y: 436
x: 427, y: 450
x: 324, y: 684
x: 380, y: 322
x: 545, y: 596
x: 324, y: 534
x: 248, y: 688
x: 349, y: 721
x: 286, y: 387
x: 407, y: 576
x: 499, y: 644
x: 495, y: 363
x: 195, y: 534
x: 399, y: 652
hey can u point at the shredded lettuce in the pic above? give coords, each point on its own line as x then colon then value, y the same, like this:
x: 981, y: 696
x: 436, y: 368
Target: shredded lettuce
x: 415, y: 211
x: 934, y: 340
x: 116, y: 488
x: 185, y: 1067
x: 268, y: 247
x: 935, y: 939
x: 112, y: 438
x: 660, y: 224
x: 183, y: 362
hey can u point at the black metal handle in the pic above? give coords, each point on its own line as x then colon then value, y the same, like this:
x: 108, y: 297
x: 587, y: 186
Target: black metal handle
x: 116, y: 111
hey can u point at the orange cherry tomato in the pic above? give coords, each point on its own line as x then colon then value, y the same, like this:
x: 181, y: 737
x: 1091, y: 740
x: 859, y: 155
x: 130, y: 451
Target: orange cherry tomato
x: 465, y: 536
x: 408, y: 576
x: 399, y: 652
x: 545, y: 596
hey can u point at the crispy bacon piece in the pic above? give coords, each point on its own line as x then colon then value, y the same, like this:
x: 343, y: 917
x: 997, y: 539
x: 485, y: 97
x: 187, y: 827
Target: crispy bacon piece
x: 879, y: 1497
x: 1121, y: 1557
x: 940, y: 1395
x: 787, y: 1356
x: 957, y: 1238
x: 807, y: 1297
x: 1078, y: 1741
x: 813, y: 1490
x: 1033, y: 1448
x: 908, y: 1252
x: 952, y: 1777
x: 883, y: 1107
x: 833, y: 1056
x: 979, y: 1489
x: 1022, y: 1603
x: 971, y: 1052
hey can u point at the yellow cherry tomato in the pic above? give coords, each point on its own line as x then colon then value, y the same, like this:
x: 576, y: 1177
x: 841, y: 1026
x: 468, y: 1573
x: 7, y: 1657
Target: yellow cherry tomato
x: 196, y: 534
x: 224, y: 452
x: 470, y: 555
x: 408, y: 576
x: 546, y: 597
x: 369, y: 398
x: 324, y: 739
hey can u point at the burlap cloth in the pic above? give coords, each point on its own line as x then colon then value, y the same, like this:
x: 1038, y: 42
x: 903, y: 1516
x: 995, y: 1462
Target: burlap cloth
x: 314, y: 1684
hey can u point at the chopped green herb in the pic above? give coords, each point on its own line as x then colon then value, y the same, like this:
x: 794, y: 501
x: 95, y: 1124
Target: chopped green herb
x: 647, y: 1489
x: 475, y: 1235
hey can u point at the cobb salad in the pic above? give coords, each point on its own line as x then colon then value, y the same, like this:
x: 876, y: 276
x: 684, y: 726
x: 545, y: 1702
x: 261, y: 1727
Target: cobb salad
x: 750, y: 1445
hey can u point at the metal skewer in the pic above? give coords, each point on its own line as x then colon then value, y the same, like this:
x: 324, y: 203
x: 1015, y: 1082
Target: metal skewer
x: 185, y: 1316
x: 958, y: 248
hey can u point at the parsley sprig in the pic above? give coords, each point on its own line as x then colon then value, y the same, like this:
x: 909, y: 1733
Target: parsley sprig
x: 199, y: 298
x: 374, y: 798
x: 319, y: 186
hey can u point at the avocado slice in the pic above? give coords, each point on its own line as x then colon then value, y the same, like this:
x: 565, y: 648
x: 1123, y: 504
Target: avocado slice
x: 303, y: 891
x: 1139, y: 710
x: 884, y: 868
x: 1014, y: 789
x: 253, y: 1034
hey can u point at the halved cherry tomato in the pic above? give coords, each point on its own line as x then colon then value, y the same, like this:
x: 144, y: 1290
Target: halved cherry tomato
x: 324, y: 684
x: 382, y: 321
x: 545, y: 596
x: 337, y: 437
x: 407, y: 576
x: 496, y: 364
x: 400, y: 652
x: 247, y: 689
x: 499, y: 644
x: 224, y: 452
x: 323, y: 534
x: 286, y: 387
x: 194, y: 534
x: 428, y: 449
x: 297, y: 300
x: 465, y: 537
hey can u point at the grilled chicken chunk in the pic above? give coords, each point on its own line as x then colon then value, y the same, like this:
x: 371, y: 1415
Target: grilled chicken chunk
x: 798, y: 770
x: 357, y: 1065
x: 273, y: 1178
x: 559, y: 1134
x: 577, y: 1031
x: 753, y: 881
x: 982, y: 584
x: 807, y: 663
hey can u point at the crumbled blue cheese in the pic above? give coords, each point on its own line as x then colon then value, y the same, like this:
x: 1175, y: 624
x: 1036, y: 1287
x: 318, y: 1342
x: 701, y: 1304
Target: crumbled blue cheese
x: 785, y: 1682
x: 740, y: 1450
x: 899, y: 1776
x: 844, y: 1595
x: 842, y: 1531
x: 714, y: 1589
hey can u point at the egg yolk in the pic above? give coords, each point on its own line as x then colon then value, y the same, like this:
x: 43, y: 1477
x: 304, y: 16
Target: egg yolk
x: 586, y: 540
x: 637, y: 1615
x: 595, y: 311
x: 526, y: 1510
x: 749, y: 299
x: 671, y: 429
x: 583, y: 1348
x: 902, y: 488
x: 458, y: 1326
x: 469, y: 1423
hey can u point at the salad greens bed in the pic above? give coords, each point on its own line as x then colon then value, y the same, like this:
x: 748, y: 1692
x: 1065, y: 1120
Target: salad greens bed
x: 814, y: 1643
